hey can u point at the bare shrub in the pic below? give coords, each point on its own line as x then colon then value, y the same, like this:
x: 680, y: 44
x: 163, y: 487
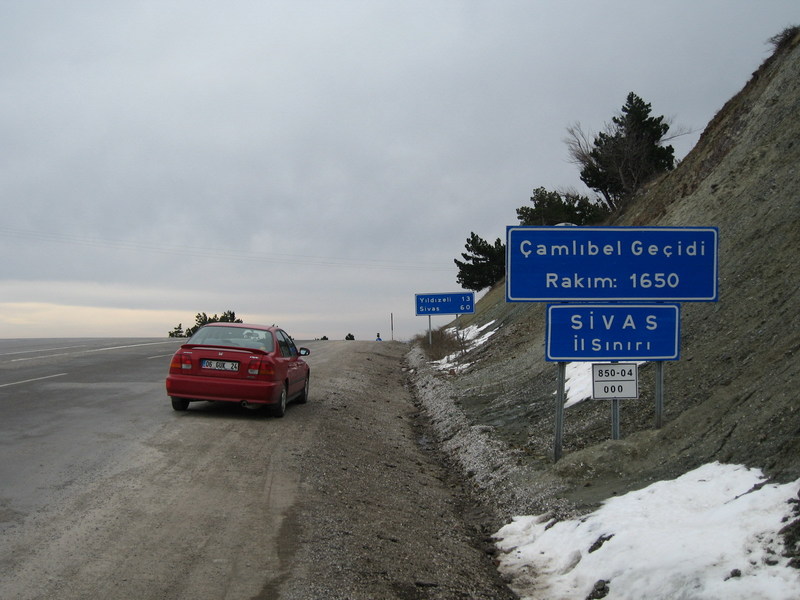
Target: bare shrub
x: 443, y: 342
x: 783, y: 39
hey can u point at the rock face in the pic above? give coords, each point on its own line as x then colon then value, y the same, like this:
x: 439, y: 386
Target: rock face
x: 733, y: 396
x: 740, y: 372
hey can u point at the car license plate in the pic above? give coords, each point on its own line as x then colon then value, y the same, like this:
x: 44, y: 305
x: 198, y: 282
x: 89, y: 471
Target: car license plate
x: 221, y: 365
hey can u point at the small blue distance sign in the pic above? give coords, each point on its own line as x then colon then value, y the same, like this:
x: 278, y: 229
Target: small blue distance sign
x: 611, y: 264
x: 586, y: 332
x: 455, y: 303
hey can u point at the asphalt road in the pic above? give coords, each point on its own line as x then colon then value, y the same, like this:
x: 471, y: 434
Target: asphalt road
x: 106, y: 492
x: 69, y: 409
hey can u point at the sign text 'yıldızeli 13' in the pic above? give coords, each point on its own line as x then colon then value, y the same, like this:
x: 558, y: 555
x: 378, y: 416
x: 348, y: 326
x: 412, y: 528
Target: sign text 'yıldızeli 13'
x: 455, y: 303
x: 616, y: 264
x: 587, y: 332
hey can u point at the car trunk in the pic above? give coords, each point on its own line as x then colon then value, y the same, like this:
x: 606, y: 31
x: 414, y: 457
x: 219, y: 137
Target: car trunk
x: 226, y: 362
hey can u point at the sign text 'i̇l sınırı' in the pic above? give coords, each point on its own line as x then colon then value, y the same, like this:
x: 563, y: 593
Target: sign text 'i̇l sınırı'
x: 587, y: 332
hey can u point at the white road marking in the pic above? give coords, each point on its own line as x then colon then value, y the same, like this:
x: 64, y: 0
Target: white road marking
x: 87, y: 351
x: 41, y: 350
x: 2, y: 385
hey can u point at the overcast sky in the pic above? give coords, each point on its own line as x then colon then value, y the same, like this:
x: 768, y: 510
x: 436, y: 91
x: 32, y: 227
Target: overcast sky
x: 312, y: 163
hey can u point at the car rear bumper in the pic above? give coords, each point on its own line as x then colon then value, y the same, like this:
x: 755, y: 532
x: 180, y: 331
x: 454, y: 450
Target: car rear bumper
x: 216, y: 390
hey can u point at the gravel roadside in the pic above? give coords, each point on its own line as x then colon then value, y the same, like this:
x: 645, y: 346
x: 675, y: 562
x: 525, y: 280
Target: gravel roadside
x: 381, y: 516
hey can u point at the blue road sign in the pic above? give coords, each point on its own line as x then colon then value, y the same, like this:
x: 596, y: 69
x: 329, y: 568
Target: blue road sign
x: 611, y: 264
x: 586, y: 332
x: 455, y: 303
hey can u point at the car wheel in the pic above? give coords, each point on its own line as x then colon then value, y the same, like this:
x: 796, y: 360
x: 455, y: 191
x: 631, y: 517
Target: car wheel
x: 280, y: 409
x: 303, y: 397
x: 179, y: 403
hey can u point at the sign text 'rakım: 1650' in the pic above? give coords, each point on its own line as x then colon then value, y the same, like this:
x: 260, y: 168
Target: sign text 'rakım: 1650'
x: 611, y: 264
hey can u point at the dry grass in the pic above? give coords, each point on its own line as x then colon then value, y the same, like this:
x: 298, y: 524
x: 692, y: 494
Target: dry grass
x: 443, y: 342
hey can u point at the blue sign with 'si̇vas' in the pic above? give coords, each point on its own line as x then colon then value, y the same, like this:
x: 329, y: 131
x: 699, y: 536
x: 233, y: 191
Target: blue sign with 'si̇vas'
x: 587, y: 332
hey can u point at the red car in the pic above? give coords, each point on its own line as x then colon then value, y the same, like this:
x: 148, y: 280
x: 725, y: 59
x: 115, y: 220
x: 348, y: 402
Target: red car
x: 253, y: 365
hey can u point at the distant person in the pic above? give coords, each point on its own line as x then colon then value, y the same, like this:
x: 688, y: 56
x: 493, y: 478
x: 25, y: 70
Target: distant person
x: 378, y: 339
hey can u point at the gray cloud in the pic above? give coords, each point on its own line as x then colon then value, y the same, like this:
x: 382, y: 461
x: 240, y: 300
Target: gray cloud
x: 319, y: 160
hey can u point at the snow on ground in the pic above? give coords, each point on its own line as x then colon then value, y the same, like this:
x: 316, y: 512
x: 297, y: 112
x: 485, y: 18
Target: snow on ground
x: 578, y: 382
x: 711, y: 534
x: 708, y: 534
x: 472, y: 337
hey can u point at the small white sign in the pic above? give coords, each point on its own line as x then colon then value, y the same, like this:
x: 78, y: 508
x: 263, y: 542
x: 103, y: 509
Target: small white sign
x: 615, y: 380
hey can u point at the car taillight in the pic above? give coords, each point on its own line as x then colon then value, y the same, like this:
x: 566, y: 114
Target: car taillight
x: 260, y: 366
x: 181, y: 362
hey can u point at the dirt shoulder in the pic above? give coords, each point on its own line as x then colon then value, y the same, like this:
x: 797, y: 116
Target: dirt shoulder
x: 379, y: 516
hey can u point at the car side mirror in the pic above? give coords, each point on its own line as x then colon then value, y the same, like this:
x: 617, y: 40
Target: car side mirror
x: 304, y: 351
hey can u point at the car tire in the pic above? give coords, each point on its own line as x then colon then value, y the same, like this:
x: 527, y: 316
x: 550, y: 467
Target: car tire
x: 179, y: 403
x: 303, y: 397
x: 280, y: 408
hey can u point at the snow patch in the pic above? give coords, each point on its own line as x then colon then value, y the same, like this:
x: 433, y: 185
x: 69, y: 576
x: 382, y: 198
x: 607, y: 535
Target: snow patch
x: 709, y: 534
x: 472, y: 337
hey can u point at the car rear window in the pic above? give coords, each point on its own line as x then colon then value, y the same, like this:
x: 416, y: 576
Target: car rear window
x: 257, y: 339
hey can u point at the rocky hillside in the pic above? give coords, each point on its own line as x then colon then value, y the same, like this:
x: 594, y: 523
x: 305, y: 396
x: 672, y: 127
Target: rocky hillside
x: 733, y: 396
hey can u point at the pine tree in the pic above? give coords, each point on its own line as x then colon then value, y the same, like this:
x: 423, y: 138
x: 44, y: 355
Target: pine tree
x: 626, y: 155
x: 553, y: 208
x: 484, y: 263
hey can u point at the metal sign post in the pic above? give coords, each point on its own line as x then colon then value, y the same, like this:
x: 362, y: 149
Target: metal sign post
x: 615, y: 381
x: 659, y: 394
x: 560, y: 400
x: 615, y: 419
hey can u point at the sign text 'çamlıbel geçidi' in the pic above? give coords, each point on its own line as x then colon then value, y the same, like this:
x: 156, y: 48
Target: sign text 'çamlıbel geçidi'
x: 611, y: 264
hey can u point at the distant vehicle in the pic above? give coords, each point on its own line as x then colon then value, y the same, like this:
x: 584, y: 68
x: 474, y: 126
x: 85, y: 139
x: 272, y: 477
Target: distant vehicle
x: 253, y: 365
